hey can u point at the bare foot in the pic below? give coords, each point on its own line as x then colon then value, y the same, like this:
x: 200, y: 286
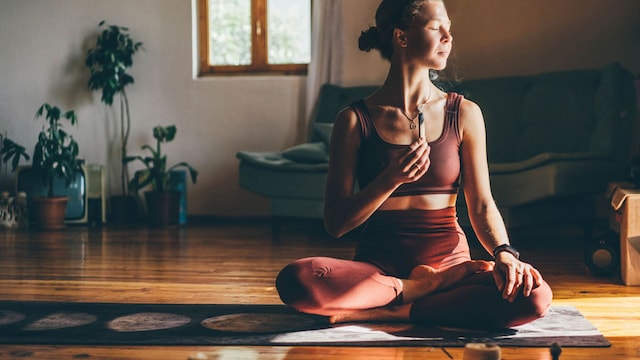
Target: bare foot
x: 382, y: 314
x: 422, y: 280
x: 425, y: 279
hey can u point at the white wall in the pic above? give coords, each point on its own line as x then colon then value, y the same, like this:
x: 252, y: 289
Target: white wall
x: 42, y: 60
x: 43, y: 44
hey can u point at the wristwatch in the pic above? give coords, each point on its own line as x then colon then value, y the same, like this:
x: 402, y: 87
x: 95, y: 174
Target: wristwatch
x: 508, y: 248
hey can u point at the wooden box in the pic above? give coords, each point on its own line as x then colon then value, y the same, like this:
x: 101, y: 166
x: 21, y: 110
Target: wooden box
x: 626, y: 204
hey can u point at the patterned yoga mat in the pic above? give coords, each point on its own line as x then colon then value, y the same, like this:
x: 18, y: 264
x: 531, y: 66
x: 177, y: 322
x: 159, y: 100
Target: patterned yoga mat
x: 273, y: 325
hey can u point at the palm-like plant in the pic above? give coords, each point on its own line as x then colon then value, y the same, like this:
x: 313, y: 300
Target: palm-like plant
x: 108, y: 62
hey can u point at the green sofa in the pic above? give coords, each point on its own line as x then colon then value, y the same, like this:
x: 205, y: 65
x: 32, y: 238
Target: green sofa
x: 554, y: 141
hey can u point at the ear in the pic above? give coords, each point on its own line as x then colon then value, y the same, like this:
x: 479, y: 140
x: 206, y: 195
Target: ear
x: 400, y: 37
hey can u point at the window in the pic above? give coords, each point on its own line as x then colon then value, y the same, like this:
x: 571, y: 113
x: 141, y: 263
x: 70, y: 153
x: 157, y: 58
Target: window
x: 254, y: 36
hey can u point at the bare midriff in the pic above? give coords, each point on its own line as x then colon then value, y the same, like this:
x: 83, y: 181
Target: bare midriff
x: 420, y: 202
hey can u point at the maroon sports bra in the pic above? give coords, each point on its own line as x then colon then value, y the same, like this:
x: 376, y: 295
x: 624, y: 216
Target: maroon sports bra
x: 443, y: 175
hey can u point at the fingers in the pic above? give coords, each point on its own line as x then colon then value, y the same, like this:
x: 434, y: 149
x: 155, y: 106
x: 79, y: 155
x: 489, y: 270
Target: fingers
x: 498, y: 278
x: 527, y: 285
x: 519, y: 278
x: 416, y: 161
x: 417, y: 144
x: 514, y: 284
x: 418, y: 169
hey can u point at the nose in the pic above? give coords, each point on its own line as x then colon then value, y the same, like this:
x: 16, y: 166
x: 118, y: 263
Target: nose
x: 446, y: 36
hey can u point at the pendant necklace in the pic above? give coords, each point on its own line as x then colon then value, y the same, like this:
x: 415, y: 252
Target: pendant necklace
x: 419, y: 116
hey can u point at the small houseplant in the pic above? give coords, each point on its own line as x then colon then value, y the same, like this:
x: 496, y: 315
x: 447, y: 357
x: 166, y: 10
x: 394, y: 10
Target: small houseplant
x: 108, y: 62
x: 13, y: 212
x: 55, y: 156
x: 162, y: 202
x: 12, y: 152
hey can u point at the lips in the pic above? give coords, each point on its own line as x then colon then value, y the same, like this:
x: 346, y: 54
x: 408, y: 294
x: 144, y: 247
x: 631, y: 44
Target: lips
x: 444, y: 51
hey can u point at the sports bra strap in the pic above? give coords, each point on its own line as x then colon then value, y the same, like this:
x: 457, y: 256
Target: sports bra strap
x: 366, y: 126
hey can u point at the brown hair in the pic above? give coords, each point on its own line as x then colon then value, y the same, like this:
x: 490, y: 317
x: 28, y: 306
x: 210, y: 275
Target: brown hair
x: 391, y: 14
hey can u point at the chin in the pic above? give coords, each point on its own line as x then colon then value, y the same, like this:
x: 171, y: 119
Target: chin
x: 440, y: 66
x: 440, y: 63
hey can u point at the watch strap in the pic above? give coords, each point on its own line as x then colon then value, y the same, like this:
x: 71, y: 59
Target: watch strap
x: 508, y: 248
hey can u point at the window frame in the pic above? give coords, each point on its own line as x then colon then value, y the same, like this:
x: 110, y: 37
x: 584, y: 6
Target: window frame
x: 259, y: 51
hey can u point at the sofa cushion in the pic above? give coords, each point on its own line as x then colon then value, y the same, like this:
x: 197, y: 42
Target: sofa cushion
x: 308, y: 153
x: 553, y: 179
x: 501, y: 102
x: 563, y: 125
x: 271, y: 174
x: 323, y: 130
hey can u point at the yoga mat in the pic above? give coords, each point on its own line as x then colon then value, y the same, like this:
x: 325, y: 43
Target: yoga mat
x: 68, y: 323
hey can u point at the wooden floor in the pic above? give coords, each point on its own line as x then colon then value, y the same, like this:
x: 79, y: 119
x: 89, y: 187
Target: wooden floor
x: 236, y: 262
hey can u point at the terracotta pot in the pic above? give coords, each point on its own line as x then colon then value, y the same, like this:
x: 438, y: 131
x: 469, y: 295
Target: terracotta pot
x: 163, y: 208
x: 124, y: 209
x: 48, y: 213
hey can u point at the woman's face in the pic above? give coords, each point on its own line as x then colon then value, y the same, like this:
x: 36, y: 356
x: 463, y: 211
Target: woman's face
x: 429, y: 37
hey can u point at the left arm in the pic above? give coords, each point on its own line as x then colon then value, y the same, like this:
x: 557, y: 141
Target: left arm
x: 511, y: 274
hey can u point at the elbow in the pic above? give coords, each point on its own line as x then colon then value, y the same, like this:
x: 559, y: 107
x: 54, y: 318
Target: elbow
x: 332, y: 229
x: 480, y: 206
x: 334, y: 224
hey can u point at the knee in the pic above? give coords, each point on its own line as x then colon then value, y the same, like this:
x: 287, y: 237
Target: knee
x: 288, y: 282
x: 541, y: 298
x: 292, y: 284
x: 535, y: 306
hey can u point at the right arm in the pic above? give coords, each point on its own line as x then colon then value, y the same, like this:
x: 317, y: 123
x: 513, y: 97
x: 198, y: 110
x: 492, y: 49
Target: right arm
x: 345, y: 210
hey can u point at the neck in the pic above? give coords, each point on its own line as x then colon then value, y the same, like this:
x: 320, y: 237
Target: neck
x: 408, y: 88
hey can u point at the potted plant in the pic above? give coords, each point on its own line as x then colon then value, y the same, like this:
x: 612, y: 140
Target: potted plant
x: 162, y: 202
x: 108, y: 62
x: 54, y: 156
x: 13, y: 212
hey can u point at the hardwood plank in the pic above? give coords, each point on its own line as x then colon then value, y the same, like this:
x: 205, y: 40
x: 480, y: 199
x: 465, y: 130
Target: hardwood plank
x: 237, y: 263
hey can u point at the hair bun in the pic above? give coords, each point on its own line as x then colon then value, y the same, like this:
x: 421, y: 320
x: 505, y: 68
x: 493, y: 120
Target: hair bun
x: 369, y: 39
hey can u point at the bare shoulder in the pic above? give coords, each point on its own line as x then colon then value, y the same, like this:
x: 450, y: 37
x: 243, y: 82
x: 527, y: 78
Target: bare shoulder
x: 471, y: 118
x: 469, y: 109
x: 346, y: 124
x: 346, y: 118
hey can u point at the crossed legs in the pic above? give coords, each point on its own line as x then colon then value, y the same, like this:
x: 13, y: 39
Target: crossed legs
x: 464, y: 295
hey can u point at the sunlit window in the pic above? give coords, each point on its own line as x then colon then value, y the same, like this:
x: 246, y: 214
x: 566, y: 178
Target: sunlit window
x: 254, y: 36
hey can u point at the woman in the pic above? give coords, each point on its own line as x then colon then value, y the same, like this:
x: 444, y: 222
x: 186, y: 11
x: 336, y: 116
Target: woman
x: 411, y: 147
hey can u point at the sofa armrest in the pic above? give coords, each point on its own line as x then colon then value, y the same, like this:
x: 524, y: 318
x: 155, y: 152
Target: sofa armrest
x: 544, y: 159
x: 275, y: 160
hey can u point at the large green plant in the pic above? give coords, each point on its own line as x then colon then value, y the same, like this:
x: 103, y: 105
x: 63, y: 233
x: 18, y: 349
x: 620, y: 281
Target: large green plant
x: 156, y: 173
x: 108, y: 62
x: 55, y: 154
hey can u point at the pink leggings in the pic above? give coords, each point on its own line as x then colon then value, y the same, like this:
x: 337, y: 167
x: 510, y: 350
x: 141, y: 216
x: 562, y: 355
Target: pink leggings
x: 329, y: 286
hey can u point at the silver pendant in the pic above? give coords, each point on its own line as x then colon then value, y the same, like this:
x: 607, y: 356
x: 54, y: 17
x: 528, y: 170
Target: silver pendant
x: 412, y: 126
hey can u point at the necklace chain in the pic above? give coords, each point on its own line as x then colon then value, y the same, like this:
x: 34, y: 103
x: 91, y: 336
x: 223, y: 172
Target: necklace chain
x: 412, y: 121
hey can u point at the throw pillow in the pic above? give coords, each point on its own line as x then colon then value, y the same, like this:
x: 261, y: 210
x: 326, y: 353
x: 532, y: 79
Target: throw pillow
x: 310, y: 153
